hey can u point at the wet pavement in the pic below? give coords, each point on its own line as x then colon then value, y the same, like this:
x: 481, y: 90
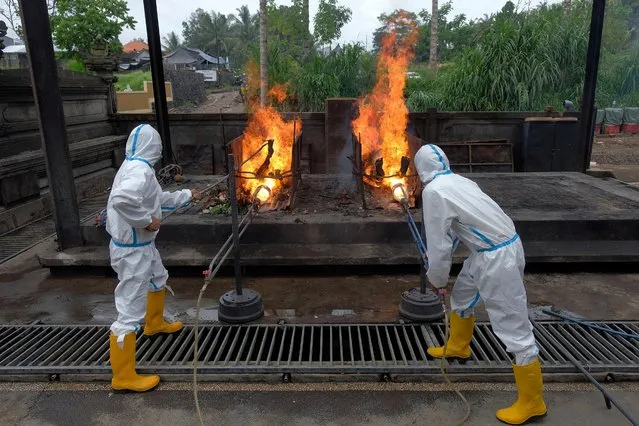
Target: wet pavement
x: 294, y: 404
x: 28, y: 293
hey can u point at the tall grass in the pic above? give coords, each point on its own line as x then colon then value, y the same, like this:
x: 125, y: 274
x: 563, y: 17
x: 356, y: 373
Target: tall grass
x: 619, y: 79
x: 348, y: 72
x: 522, y: 63
x: 133, y: 79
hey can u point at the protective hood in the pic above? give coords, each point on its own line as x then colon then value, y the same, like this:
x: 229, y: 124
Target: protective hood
x: 430, y: 161
x: 144, y: 144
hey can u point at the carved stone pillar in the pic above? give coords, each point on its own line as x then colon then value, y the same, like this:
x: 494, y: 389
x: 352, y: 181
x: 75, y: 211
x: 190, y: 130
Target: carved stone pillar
x: 104, y: 62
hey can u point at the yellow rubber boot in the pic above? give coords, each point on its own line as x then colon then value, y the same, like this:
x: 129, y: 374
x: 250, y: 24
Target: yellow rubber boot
x: 154, y: 319
x: 125, y: 379
x: 530, y: 398
x: 461, y: 333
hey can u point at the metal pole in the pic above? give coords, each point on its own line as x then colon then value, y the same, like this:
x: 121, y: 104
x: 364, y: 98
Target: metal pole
x: 53, y: 131
x: 157, y: 73
x: 423, y: 279
x: 590, y: 82
x: 234, y: 224
x: 224, y: 147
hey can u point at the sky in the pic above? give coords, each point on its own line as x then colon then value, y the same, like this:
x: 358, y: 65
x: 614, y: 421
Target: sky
x: 171, y: 13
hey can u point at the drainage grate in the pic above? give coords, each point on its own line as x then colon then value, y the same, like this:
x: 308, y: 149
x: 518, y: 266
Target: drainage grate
x: 21, y: 239
x: 326, y: 349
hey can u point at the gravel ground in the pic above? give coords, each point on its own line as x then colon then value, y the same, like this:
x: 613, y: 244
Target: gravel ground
x: 616, y: 150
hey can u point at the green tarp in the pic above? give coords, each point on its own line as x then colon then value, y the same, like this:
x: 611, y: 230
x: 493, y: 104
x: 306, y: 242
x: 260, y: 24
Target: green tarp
x: 631, y: 115
x: 614, y: 116
x: 599, y: 119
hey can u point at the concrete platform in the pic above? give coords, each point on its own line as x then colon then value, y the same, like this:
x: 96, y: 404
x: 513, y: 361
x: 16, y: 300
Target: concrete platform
x: 561, y: 217
x: 371, y: 404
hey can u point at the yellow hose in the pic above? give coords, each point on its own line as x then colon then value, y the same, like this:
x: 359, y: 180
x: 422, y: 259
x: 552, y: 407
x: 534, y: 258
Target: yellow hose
x: 442, y: 364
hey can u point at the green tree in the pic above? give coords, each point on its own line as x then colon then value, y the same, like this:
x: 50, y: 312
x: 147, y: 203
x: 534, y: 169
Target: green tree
x: 393, y: 22
x: 210, y: 32
x: 79, y: 24
x: 329, y: 21
x: 454, y: 36
x: 10, y: 11
x: 286, y: 27
x: 245, y: 25
x: 245, y: 30
x: 196, y: 29
x: 171, y: 42
x: 220, y: 35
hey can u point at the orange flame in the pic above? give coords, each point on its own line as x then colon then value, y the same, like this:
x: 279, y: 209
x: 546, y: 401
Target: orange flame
x: 383, y: 115
x: 278, y: 93
x: 266, y: 123
x: 253, y: 85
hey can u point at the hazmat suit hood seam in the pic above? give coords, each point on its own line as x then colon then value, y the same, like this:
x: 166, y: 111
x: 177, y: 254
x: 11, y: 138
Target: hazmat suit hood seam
x: 144, y: 144
x: 430, y: 163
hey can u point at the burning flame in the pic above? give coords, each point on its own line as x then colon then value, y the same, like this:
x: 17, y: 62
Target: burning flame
x: 263, y: 193
x: 265, y: 123
x: 399, y: 189
x: 383, y: 115
x: 253, y: 85
x: 278, y: 93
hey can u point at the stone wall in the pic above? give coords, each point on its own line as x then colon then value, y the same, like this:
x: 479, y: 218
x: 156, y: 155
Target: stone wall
x: 198, y: 139
x: 188, y: 86
x: 94, y: 149
x: 85, y: 108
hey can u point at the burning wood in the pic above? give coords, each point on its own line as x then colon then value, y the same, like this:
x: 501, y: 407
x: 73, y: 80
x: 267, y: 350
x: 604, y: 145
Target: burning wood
x: 404, y: 167
x: 267, y: 161
x: 379, y: 168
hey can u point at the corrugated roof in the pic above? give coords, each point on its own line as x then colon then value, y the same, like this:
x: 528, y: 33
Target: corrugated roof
x: 21, y: 48
x: 198, y: 52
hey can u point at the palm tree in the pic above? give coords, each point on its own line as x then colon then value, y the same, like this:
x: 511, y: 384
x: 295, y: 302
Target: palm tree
x: 245, y: 31
x: 219, y: 35
x: 432, y: 60
x: 244, y: 25
x: 171, y: 42
x: 263, y: 55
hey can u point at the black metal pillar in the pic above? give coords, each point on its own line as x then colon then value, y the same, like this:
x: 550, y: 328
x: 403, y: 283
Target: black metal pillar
x: 242, y: 304
x: 590, y: 82
x: 235, y: 226
x: 53, y: 131
x: 157, y: 72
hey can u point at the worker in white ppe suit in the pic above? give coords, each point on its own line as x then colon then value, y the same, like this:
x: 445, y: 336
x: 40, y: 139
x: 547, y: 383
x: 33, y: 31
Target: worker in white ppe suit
x: 457, y: 210
x: 134, y: 212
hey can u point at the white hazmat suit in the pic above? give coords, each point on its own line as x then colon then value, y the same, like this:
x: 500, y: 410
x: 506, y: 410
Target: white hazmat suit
x: 457, y: 210
x: 136, y: 197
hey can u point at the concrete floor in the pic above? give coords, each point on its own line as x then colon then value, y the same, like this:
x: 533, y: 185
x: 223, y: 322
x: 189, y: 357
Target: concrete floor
x: 352, y: 404
x: 28, y: 293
